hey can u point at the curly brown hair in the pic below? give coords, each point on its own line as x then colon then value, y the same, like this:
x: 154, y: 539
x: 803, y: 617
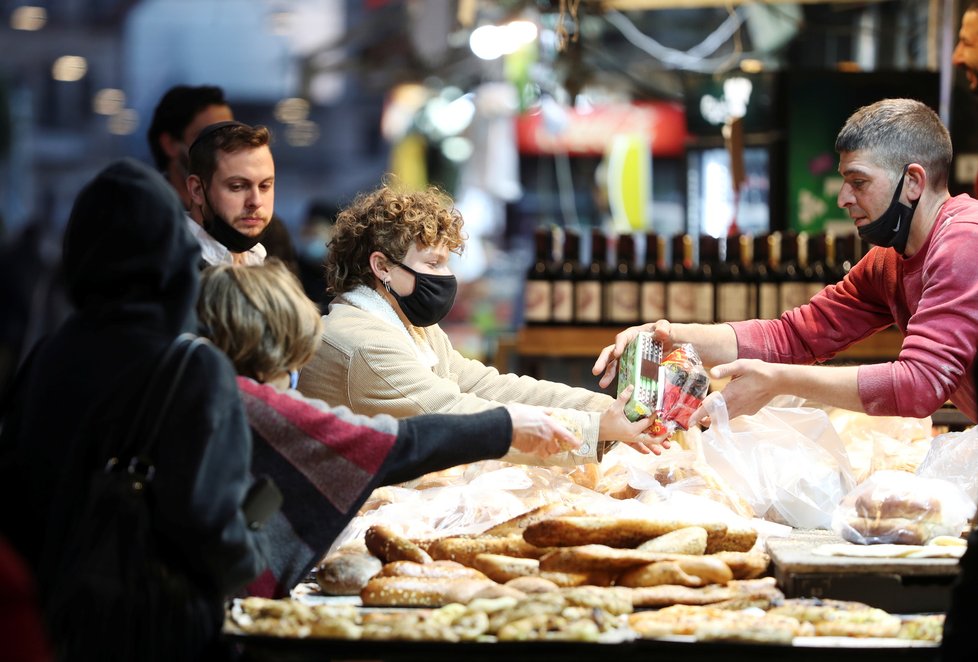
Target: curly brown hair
x: 389, y: 221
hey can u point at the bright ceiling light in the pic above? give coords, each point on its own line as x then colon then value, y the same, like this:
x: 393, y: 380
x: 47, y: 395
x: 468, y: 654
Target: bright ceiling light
x: 28, y: 18
x: 489, y: 42
x: 292, y: 110
x: 69, y: 68
x: 109, y: 101
x: 124, y: 123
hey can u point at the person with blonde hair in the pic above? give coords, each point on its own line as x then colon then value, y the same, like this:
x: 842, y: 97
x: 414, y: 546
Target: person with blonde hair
x: 382, y: 351
x: 327, y: 460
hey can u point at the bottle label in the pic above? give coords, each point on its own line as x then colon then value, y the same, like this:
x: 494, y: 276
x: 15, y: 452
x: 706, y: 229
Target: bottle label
x: 793, y: 295
x: 563, y: 310
x: 537, y: 300
x: 767, y: 301
x: 680, y: 304
x: 653, y: 301
x: 703, y: 303
x: 733, y: 302
x: 588, y: 301
x: 623, y: 302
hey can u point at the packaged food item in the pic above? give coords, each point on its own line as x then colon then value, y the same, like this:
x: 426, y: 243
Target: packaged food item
x: 682, y: 385
x: 639, y: 367
x: 670, y: 388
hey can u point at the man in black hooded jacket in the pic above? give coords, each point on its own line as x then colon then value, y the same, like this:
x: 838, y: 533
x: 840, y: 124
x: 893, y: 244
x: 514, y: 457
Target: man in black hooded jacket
x: 131, y: 267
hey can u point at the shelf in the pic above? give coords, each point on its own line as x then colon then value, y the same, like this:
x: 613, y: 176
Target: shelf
x: 587, y: 342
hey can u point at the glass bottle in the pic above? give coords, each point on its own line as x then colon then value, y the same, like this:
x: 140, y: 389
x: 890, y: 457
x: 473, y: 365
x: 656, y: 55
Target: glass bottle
x: 766, y: 250
x: 622, y: 286
x: 538, y: 291
x: 588, y: 295
x: 791, y: 288
x: 680, y: 290
x: 735, y: 291
x: 563, y: 282
x: 704, y: 288
x: 652, y: 306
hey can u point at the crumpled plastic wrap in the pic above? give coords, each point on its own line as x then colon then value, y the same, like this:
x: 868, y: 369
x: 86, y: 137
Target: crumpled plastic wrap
x: 787, y: 463
x: 475, y: 497
x: 470, y: 499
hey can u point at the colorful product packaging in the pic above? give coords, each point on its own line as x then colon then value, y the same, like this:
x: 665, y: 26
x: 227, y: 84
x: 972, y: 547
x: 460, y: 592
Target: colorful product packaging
x: 639, y: 366
x: 669, y: 388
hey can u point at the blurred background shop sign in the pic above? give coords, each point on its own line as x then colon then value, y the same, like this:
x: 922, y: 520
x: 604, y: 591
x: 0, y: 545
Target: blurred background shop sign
x: 589, y: 131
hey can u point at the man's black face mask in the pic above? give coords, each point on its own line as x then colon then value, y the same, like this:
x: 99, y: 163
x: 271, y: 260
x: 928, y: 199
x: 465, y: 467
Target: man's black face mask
x: 892, y: 228
x: 218, y: 227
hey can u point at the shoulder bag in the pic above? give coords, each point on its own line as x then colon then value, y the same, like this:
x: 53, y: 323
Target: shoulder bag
x: 112, y: 595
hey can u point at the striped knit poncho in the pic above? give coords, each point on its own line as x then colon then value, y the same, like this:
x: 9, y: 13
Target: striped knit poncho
x: 327, y: 460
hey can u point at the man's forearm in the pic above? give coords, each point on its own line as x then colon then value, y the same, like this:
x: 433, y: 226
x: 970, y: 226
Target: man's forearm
x: 836, y: 386
x: 715, y: 343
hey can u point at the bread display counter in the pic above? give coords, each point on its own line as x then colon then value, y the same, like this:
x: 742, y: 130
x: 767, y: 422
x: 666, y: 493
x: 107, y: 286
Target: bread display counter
x: 672, y: 597
x: 638, y: 557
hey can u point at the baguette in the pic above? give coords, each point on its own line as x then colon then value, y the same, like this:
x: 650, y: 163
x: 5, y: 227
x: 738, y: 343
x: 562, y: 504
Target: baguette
x: 656, y: 574
x: 597, y: 558
x: 610, y: 531
x: 689, y: 540
x: 518, y: 524
x: 734, y: 539
x: 504, y: 569
x: 708, y: 568
x: 501, y: 568
x: 389, y: 546
x: 745, y: 565
x: 684, y: 571
x: 464, y: 550
x: 437, y: 569
x: 421, y: 591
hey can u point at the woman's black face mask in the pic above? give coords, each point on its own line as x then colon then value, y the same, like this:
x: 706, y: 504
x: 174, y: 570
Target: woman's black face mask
x: 432, y: 298
x: 892, y: 228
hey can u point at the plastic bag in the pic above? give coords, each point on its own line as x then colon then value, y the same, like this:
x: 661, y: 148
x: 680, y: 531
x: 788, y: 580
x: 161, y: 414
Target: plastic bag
x: 902, y: 508
x: 953, y: 457
x: 788, y: 463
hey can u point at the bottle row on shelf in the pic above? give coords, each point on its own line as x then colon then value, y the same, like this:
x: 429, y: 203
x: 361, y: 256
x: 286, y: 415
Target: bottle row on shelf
x: 706, y: 279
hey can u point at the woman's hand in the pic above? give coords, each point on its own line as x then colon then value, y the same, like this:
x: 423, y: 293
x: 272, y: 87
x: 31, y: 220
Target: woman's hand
x: 607, y: 361
x: 615, y: 426
x: 538, y: 433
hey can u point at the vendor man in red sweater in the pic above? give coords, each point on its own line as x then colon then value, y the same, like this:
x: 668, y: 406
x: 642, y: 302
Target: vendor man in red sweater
x: 921, y: 275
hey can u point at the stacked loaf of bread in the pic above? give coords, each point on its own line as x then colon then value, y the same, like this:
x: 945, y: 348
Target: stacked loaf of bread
x: 555, y: 548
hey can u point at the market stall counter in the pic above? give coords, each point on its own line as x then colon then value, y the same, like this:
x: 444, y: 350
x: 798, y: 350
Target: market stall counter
x: 898, y: 584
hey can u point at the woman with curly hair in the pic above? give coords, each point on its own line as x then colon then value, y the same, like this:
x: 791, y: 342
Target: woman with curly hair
x: 382, y: 351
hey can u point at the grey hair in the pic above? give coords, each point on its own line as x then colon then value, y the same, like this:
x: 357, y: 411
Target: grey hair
x: 898, y: 132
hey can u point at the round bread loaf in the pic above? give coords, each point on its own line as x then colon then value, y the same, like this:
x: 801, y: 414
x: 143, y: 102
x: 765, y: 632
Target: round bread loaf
x: 346, y: 573
x: 872, y: 505
x: 898, y: 530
